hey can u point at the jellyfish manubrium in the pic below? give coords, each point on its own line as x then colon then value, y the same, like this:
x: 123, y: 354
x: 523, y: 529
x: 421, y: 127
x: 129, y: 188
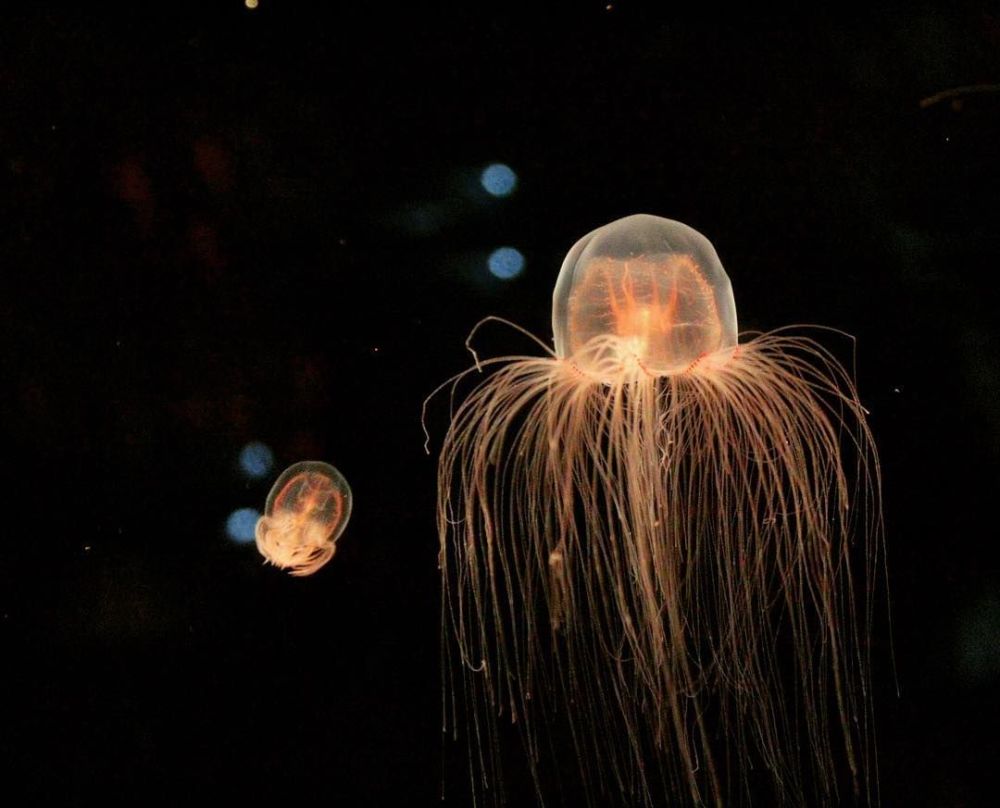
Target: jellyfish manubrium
x: 657, y: 545
x: 306, y: 512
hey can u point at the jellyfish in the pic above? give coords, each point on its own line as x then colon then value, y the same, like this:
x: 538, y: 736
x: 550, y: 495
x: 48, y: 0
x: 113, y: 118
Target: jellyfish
x: 658, y: 543
x: 307, y: 510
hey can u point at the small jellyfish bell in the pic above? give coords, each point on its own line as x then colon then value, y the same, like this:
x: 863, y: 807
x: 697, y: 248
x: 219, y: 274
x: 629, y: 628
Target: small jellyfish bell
x: 307, y: 510
x: 658, y: 542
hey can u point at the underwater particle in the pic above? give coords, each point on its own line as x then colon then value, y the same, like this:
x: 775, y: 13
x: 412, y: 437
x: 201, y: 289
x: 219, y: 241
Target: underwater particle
x: 661, y: 542
x: 307, y: 510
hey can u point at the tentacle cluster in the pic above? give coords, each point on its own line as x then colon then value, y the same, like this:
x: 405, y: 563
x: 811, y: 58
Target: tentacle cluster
x: 665, y: 581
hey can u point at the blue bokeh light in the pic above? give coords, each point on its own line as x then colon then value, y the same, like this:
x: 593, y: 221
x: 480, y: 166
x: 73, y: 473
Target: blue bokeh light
x: 498, y: 179
x: 241, y: 524
x: 506, y: 263
x: 256, y: 460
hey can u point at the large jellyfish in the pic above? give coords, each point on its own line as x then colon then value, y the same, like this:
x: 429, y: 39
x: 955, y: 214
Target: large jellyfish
x: 657, y: 545
x: 307, y: 510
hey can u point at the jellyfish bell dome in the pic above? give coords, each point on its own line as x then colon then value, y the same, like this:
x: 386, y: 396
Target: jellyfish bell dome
x: 642, y: 290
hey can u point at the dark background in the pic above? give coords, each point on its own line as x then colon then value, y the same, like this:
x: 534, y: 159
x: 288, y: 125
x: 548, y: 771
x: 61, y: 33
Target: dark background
x: 222, y: 225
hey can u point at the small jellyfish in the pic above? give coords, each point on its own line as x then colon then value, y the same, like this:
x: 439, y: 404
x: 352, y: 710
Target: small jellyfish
x: 306, y: 512
x: 658, y: 544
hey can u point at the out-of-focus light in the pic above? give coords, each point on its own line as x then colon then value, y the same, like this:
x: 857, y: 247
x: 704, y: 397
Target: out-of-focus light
x: 250, y: 3
x: 256, y: 460
x: 498, y: 179
x: 506, y: 263
x: 241, y: 524
x: 979, y: 654
x: 423, y: 219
